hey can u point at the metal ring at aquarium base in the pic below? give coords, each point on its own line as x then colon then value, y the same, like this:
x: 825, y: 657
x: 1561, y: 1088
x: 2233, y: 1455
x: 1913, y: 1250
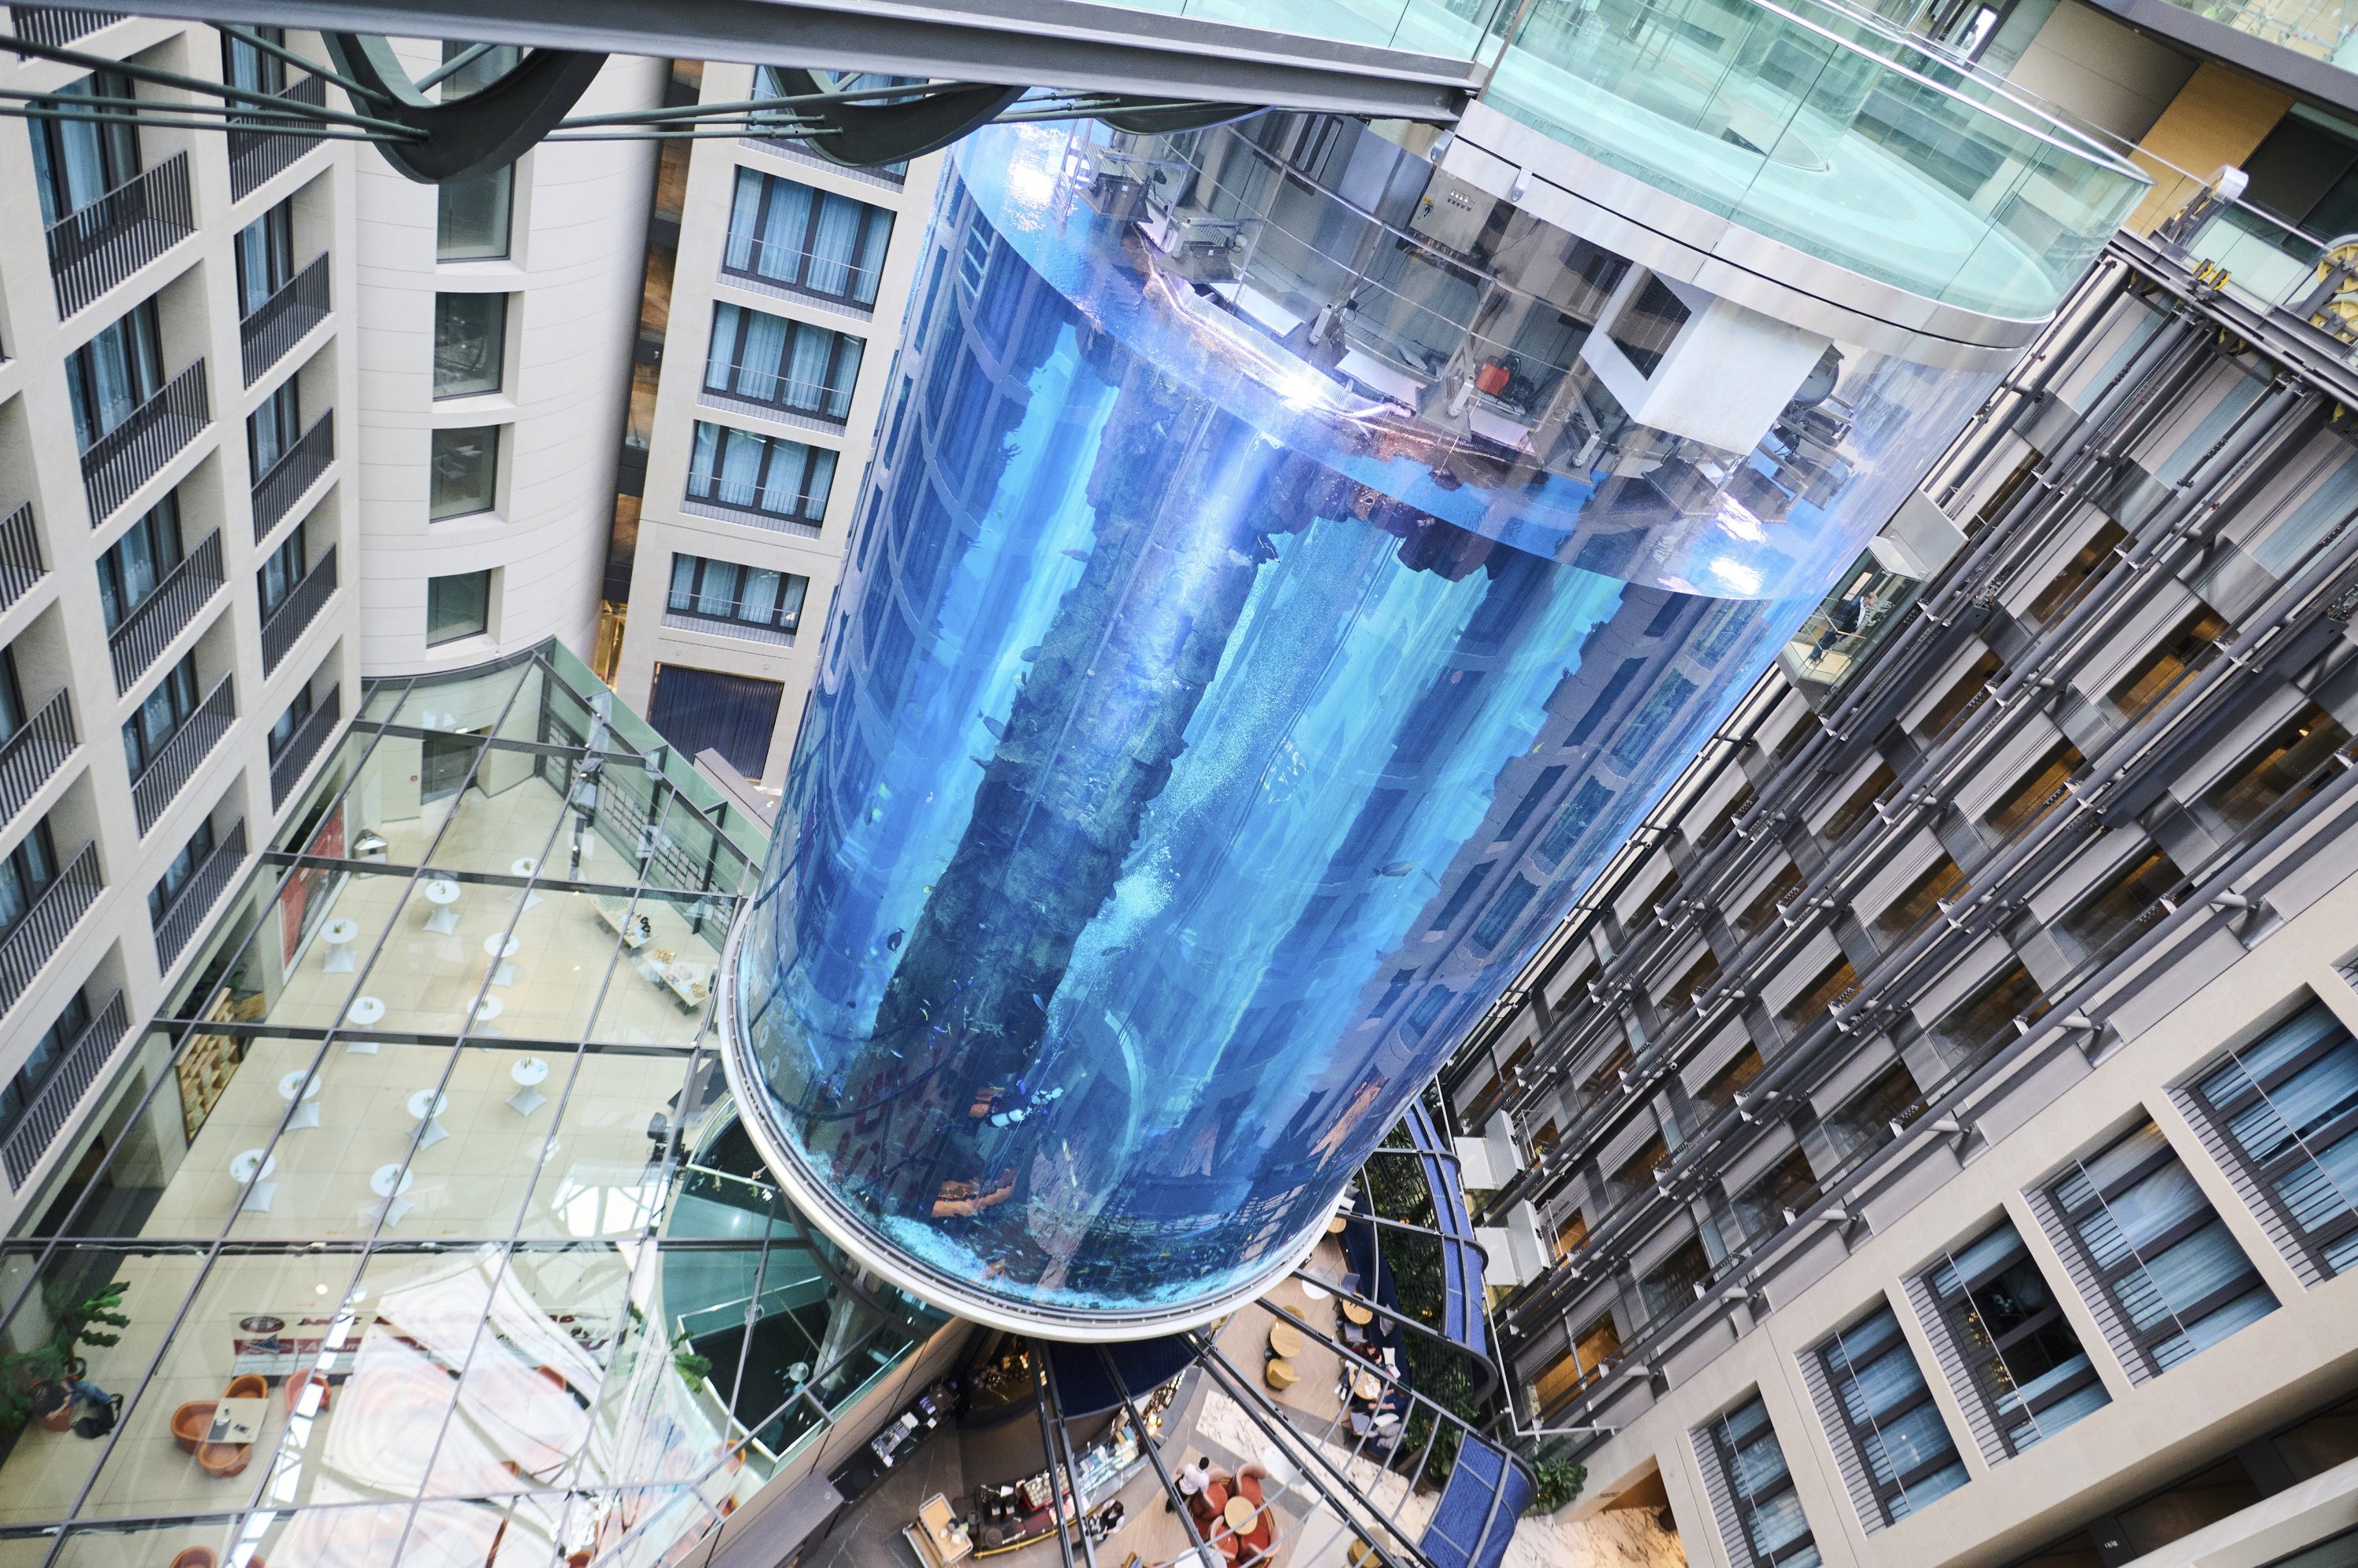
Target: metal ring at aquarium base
x: 816, y: 1202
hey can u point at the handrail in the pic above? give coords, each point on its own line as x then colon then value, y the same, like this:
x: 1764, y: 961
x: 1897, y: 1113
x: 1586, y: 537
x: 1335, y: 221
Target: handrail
x: 47, y: 921
x: 284, y: 319
x: 299, y: 468
x: 181, y: 918
x: 166, y: 610
x: 149, y: 437
x: 55, y: 1101
x: 255, y: 155
x: 31, y: 757
x: 97, y: 245
x: 170, y: 769
x: 20, y: 555
x: 288, y: 768
x: 294, y: 614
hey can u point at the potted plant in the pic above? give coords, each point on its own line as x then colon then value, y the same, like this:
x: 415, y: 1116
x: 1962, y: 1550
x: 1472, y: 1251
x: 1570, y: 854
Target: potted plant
x: 35, y: 1384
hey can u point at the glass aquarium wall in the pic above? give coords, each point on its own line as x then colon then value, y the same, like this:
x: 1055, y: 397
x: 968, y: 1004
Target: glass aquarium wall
x: 1275, y: 593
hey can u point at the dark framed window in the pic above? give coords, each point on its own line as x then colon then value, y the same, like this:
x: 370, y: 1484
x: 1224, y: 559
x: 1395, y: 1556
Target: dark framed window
x: 457, y: 606
x: 1888, y: 1419
x: 135, y: 565
x: 265, y: 257
x: 276, y: 424
x: 2028, y: 1371
x: 177, y: 875
x: 282, y: 730
x: 17, y: 1094
x: 1583, y: 1361
x: 1670, y: 1284
x: 748, y: 595
x: 2286, y: 767
x: 2165, y: 1266
x: 760, y: 473
x: 469, y: 344
x: 2288, y: 1101
x: 12, y: 696
x: 700, y: 710
x: 767, y: 84
x: 474, y: 71
x: 1789, y: 1186
x: 472, y: 216
x: 280, y: 574
x: 76, y: 160
x: 465, y: 475
x: 783, y: 232
x: 26, y: 873
x: 1648, y: 325
x: 1770, y: 1531
x: 2129, y: 902
x: 110, y: 376
x: 160, y: 715
x: 787, y: 365
x: 257, y: 70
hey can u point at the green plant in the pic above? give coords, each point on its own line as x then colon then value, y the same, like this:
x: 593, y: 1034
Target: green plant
x: 694, y: 1368
x: 1555, y: 1482
x: 53, y: 1360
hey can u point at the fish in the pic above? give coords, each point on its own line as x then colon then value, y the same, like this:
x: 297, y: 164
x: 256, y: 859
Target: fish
x: 1397, y: 869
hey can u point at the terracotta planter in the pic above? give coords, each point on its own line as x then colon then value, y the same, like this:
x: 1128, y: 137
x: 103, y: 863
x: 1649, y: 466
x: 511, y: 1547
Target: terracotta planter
x: 222, y: 1459
x: 190, y: 1422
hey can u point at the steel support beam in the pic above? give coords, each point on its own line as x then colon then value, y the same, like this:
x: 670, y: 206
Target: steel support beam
x: 1050, y: 43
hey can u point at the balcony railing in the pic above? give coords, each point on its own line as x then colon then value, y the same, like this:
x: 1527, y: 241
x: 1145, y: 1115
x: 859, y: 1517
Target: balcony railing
x: 164, y: 614
x: 31, y: 757
x: 54, y: 1105
x: 35, y: 939
x: 299, y: 468
x: 152, y: 434
x: 288, y: 768
x: 56, y: 26
x: 255, y: 155
x: 197, y: 897
x: 94, y: 248
x: 20, y: 555
x: 170, y: 769
x: 297, y: 610
x: 284, y: 319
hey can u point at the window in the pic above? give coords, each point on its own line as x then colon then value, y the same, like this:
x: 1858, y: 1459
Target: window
x: 1726, y: 1083
x: 2039, y: 792
x: 2289, y: 1103
x: 1885, y: 1419
x: 472, y: 216
x: 175, y: 880
x: 788, y: 365
x: 469, y: 342
x: 475, y: 71
x: 1607, y: 1075
x: 700, y: 710
x: 1504, y: 909
x: 1903, y: 914
x: 257, y: 70
x: 1818, y: 998
x: 2028, y: 1373
x: 1987, y: 1018
x: 18, y: 1095
x: 1864, y: 1120
x: 76, y: 161
x: 1637, y: 1173
x: 282, y: 731
x: 2166, y: 1272
x: 763, y: 473
x: 784, y: 232
x: 1646, y: 330
x: 1789, y: 1186
x: 466, y: 472
x: 457, y: 606
x: 749, y: 596
x: 26, y: 873
x: 1582, y: 1363
x: 135, y: 565
x: 767, y: 83
x: 1860, y: 802
x: 280, y: 573
x: 2285, y: 767
x: 1687, y: 987
x: 1769, y: 1528
x: 157, y: 719
x: 1455, y: 904
x: 265, y: 257
x: 1960, y: 699
x: 110, y: 376
x: 1671, y: 1283
x: 2168, y: 665
x: 1763, y: 909
x: 276, y: 425
x: 2105, y: 540
x: 2130, y: 902
x: 12, y: 696
x: 1534, y: 798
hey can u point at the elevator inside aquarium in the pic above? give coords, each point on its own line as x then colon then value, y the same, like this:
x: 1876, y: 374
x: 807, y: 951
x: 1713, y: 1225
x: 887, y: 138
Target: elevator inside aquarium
x: 1286, y: 574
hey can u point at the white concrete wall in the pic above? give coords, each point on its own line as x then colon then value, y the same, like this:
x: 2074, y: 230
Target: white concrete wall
x: 572, y: 275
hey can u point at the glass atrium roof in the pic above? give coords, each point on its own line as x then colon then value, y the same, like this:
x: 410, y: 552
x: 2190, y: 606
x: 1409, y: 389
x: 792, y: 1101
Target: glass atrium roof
x: 421, y: 1153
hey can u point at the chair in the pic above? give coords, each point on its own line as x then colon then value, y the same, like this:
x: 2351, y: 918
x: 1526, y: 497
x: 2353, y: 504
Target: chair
x: 190, y: 1424
x: 303, y: 1380
x: 222, y: 1459
x: 247, y: 1385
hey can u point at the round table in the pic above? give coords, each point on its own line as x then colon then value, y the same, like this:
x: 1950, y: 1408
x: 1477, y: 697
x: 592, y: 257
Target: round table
x: 1238, y: 1515
x: 442, y: 891
x: 1334, y: 1225
x: 338, y: 935
x: 302, y: 1081
x: 500, y: 945
x: 392, y: 1181
x: 1368, y: 1386
x: 530, y: 1073
x: 1279, y: 1375
x: 1315, y: 1293
x: 488, y: 1009
x: 365, y: 1011
x: 1357, y: 1313
x: 253, y: 1164
x: 1284, y: 1338
x: 523, y: 866
x: 428, y: 1103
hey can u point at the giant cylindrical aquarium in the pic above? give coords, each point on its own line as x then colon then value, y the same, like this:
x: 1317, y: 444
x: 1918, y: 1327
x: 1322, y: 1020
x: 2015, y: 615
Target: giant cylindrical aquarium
x: 1285, y: 574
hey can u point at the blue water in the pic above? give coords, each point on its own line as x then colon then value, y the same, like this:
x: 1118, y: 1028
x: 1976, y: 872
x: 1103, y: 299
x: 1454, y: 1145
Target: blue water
x: 1193, y: 762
